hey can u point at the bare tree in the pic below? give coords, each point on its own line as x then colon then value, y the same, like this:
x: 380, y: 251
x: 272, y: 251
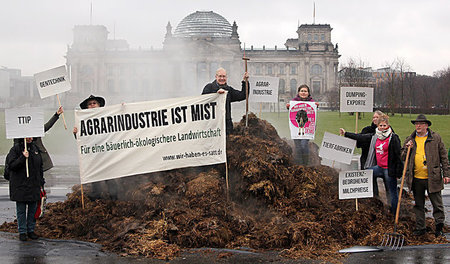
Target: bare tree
x: 403, y: 70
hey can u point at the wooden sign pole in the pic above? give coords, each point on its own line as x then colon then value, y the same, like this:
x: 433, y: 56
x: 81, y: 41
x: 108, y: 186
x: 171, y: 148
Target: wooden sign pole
x: 246, y: 90
x: 62, y: 114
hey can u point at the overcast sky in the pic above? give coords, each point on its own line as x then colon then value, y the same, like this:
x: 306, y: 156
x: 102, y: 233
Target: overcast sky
x: 34, y: 34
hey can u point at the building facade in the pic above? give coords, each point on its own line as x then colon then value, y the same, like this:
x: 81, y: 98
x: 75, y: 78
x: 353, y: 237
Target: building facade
x: 202, y: 42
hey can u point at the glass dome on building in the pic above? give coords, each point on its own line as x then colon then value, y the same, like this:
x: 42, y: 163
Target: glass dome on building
x: 203, y: 24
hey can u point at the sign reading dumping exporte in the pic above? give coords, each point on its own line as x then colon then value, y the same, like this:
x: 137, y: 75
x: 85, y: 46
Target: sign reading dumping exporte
x: 356, y: 99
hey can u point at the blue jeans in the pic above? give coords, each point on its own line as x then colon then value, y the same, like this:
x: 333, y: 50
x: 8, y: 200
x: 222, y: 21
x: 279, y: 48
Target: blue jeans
x: 390, y: 184
x: 26, y: 221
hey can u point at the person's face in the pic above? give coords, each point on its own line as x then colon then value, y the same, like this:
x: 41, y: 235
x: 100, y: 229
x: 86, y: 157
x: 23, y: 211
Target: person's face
x: 303, y: 93
x: 29, y: 140
x: 375, y: 118
x: 421, y: 127
x: 221, y: 77
x: 92, y: 104
x: 382, y: 126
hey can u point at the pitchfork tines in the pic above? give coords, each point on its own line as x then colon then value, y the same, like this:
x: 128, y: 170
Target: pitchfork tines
x: 394, y: 241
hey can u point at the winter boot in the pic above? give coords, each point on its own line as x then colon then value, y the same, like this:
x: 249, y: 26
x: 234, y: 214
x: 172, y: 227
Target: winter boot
x: 438, y: 232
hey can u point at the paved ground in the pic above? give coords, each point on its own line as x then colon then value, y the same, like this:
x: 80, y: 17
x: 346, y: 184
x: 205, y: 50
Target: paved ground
x: 59, y: 183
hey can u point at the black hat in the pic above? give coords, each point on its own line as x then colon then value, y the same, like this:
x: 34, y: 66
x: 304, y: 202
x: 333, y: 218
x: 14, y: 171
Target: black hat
x: 99, y: 99
x: 421, y: 118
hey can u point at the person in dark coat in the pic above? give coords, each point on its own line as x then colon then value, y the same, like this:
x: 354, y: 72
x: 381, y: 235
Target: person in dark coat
x: 302, y: 145
x: 383, y: 158
x: 367, y: 130
x: 427, y: 171
x: 23, y: 189
x: 220, y: 86
x: 46, y: 160
x: 109, y: 187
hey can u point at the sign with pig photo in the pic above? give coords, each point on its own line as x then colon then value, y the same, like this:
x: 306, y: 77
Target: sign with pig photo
x: 302, y: 119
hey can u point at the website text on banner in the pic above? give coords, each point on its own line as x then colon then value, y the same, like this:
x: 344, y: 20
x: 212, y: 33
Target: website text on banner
x: 123, y: 140
x: 356, y: 99
x: 355, y: 184
x: 302, y: 119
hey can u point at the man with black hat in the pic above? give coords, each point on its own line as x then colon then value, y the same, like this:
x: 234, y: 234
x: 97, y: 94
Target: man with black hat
x: 96, y: 187
x: 427, y: 170
x: 91, y: 102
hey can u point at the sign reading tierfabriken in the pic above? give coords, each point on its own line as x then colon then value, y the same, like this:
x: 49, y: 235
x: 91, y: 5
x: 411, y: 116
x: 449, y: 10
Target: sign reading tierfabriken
x: 52, y: 82
x: 24, y: 122
x: 337, y: 148
x: 356, y: 99
x: 123, y: 140
x: 264, y: 89
x: 355, y: 184
x: 302, y: 119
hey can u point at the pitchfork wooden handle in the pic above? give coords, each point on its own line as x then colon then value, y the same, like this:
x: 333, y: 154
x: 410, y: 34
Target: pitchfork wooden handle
x: 401, y: 188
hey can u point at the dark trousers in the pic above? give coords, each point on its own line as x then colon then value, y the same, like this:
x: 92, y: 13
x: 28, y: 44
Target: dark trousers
x: 302, y: 151
x: 419, y: 187
x: 25, y: 220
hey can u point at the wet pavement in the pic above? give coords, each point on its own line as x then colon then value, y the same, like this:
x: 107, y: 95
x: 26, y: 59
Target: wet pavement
x: 60, y: 180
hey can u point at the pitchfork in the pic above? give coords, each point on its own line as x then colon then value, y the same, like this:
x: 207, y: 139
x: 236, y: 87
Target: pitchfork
x: 395, y: 240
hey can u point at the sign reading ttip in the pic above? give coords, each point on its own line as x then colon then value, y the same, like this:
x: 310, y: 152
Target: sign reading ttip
x: 24, y: 122
x: 124, y: 140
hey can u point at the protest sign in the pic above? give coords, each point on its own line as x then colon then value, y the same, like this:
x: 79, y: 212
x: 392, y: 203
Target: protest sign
x: 337, y: 148
x: 24, y: 122
x: 302, y: 119
x: 264, y: 89
x: 355, y: 184
x: 52, y: 82
x: 356, y: 99
x: 123, y: 140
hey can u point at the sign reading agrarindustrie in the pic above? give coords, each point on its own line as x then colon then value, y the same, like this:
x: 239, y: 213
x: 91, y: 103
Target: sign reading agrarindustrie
x: 356, y: 99
x: 24, y: 122
x: 355, y: 184
x: 264, y: 89
x: 337, y: 148
x: 52, y: 82
x: 123, y: 140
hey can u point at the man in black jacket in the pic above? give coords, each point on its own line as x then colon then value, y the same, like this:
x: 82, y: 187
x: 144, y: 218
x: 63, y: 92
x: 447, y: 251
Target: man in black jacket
x: 220, y: 86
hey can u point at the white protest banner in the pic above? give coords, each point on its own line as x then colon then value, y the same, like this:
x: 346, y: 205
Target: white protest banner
x: 24, y: 122
x: 123, y: 140
x: 52, y: 82
x: 264, y: 89
x: 302, y: 119
x: 355, y: 184
x: 337, y: 148
x: 356, y: 99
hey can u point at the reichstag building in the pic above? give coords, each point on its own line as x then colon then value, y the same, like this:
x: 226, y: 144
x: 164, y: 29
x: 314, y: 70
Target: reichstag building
x: 202, y: 42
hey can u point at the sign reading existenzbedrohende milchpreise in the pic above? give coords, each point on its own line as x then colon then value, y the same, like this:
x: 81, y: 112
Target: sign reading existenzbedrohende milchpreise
x: 356, y: 99
x: 52, y: 82
x: 355, y: 184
